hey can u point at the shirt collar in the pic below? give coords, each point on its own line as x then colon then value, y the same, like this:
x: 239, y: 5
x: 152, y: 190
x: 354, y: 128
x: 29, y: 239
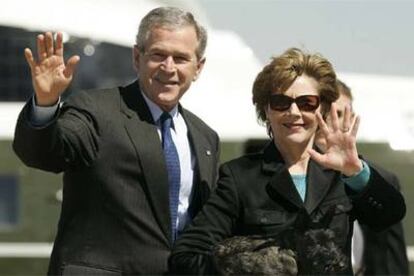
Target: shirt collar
x: 156, y: 111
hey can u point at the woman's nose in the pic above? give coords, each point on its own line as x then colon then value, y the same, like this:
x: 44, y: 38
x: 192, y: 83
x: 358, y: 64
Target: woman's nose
x: 294, y: 109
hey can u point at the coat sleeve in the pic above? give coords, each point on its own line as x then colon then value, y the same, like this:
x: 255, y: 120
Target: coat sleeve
x: 192, y: 253
x: 70, y: 139
x: 379, y: 205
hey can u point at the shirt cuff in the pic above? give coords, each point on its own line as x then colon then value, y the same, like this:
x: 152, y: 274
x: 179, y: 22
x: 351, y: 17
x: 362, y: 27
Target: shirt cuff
x: 42, y: 115
x: 360, y: 180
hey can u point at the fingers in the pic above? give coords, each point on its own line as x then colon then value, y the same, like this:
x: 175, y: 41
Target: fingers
x: 71, y: 66
x: 49, y: 44
x: 346, y: 125
x: 355, y: 126
x: 29, y: 58
x: 45, y: 45
x: 41, y: 48
x: 59, y: 44
x: 322, y: 125
x: 319, y: 158
x: 334, y: 117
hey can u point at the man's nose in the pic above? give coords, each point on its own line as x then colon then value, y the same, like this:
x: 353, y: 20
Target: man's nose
x: 168, y: 64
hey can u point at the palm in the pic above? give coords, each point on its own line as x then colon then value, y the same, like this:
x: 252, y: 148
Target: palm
x: 341, y: 153
x: 50, y: 75
x: 340, y: 150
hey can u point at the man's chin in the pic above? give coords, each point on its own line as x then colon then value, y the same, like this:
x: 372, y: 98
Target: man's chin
x: 167, y: 103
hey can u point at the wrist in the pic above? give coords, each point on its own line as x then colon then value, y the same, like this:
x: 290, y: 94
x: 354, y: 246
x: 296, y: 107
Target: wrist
x: 353, y: 170
x: 45, y: 102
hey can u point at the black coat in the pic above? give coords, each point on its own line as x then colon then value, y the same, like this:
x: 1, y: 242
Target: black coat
x: 385, y: 252
x: 256, y: 196
x: 115, y: 211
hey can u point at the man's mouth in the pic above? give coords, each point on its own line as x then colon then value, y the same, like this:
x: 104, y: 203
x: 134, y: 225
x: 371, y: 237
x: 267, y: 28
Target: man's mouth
x: 166, y: 82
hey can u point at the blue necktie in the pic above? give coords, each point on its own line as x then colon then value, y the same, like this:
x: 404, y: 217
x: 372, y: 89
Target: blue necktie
x: 173, y: 169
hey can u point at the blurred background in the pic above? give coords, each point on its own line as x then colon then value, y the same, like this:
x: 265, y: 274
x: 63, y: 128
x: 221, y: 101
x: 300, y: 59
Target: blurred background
x: 370, y: 44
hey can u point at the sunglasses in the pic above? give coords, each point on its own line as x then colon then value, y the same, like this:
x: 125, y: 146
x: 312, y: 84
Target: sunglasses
x: 280, y: 102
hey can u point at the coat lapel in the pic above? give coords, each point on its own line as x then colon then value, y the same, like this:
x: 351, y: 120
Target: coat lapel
x: 202, y: 149
x: 319, y: 180
x: 281, y: 182
x: 142, y: 131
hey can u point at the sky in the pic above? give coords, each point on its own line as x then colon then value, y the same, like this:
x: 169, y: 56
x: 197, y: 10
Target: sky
x: 374, y: 37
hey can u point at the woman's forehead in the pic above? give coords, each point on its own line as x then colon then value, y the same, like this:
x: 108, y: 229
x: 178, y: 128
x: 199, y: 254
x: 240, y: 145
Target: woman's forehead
x: 303, y: 85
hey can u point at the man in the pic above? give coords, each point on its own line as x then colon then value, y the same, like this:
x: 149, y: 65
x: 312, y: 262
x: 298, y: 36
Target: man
x: 374, y: 253
x: 137, y: 165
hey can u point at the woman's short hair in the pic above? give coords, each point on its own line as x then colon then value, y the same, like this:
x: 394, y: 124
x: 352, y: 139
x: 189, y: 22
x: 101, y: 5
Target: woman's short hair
x: 282, y: 71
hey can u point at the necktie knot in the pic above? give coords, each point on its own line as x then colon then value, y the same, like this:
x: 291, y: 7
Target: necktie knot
x: 166, y: 121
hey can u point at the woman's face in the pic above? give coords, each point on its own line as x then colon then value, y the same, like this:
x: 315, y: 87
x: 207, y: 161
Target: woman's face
x: 294, y: 125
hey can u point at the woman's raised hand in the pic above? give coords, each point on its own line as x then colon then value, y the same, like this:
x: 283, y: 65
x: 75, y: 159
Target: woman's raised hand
x: 341, y: 152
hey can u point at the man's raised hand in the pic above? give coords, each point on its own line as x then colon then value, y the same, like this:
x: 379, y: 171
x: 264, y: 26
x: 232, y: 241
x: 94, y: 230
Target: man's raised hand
x: 50, y: 75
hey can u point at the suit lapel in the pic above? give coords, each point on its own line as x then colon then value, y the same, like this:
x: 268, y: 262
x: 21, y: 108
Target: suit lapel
x: 281, y: 182
x: 319, y: 181
x: 140, y: 127
x: 201, y: 147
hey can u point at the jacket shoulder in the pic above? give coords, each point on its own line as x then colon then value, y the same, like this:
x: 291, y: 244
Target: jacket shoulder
x: 245, y: 162
x: 81, y: 97
x: 197, y: 121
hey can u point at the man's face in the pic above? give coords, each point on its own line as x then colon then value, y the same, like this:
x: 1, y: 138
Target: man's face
x: 168, y: 65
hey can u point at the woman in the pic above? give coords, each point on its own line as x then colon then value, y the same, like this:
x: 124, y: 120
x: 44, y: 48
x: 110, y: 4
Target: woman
x: 290, y: 181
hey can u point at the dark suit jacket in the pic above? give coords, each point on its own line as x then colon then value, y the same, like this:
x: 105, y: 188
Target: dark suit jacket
x: 115, y: 215
x: 385, y: 252
x: 256, y: 196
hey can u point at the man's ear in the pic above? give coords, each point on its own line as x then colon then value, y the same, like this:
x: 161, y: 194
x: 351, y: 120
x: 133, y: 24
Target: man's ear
x: 135, y: 57
x: 200, y: 66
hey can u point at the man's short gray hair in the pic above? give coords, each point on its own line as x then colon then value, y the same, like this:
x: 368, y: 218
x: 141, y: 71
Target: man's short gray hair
x: 170, y: 18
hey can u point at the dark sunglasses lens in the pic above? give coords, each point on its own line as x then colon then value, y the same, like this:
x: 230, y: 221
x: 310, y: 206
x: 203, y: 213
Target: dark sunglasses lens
x: 280, y: 102
x: 307, y: 102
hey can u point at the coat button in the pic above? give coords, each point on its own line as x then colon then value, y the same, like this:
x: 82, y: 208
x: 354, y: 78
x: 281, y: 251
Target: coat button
x: 340, y: 207
x: 263, y: 220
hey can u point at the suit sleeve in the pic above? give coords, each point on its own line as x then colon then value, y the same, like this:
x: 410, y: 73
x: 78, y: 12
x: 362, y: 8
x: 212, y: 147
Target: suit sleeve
x: 192, y: 253
x: 379, y: 205
x: 70, y: 139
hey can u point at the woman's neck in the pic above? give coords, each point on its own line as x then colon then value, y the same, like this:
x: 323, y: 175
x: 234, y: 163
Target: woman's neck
x: 296, y: 155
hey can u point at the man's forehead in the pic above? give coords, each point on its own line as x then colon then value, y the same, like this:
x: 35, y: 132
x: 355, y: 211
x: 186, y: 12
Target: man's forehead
x: 172, y: 41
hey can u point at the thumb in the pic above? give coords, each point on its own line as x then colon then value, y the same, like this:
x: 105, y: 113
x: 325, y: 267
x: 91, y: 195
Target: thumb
x: 319, y: 158
x: 71, y: 66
